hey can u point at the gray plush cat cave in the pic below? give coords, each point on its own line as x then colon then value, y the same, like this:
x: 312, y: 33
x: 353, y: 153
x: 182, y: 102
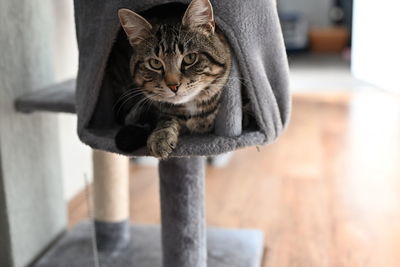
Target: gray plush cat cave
x: 253, y: 31
x: 259, y: 71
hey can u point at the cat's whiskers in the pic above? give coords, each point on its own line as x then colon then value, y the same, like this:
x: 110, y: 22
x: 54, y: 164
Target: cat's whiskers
x: 126, y: 101
x: 129, y: 91
x: 150, y: 102
x: 136, y: 107
x: 147, y: 101
x: 132, y: 92
x: 123, y: 98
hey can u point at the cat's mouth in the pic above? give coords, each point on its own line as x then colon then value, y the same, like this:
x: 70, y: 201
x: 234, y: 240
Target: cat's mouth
x: 180, y: 98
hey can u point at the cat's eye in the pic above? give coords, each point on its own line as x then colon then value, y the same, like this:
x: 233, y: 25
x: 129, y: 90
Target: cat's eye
x: 190, y: 59
x: 155, y: 64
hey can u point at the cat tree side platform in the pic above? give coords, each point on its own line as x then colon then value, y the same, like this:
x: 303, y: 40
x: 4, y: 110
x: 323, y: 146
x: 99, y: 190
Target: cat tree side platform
x: 59, y: 97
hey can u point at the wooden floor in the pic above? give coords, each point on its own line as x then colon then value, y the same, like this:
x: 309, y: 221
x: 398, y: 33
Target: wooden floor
x: 327, y: 194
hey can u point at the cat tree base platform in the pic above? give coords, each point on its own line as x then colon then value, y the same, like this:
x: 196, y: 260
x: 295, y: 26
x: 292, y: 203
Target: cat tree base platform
x: 226, y: 248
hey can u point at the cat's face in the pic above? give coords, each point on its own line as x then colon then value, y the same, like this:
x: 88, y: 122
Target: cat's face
x: 175, y: 63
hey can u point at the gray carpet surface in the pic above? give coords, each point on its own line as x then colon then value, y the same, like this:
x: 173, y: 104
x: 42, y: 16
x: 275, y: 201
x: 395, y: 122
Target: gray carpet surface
x: 226, y: 248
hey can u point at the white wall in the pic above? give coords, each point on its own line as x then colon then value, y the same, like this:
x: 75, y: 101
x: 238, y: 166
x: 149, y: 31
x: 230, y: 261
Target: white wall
x: 32, y: 207
x: 376, y: 43
x: 75, y: 156
x: 316, y: 11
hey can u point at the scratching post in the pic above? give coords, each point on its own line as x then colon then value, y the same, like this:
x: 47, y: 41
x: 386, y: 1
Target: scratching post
x: 182, y: 210
x: 111, y: 200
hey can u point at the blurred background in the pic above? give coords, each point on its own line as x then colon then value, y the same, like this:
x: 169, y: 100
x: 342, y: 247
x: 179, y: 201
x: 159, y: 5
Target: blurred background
x: 327, y: 193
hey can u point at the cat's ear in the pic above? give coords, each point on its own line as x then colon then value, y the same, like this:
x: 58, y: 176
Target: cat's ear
x: 136, y: 27
x: 199, y: 15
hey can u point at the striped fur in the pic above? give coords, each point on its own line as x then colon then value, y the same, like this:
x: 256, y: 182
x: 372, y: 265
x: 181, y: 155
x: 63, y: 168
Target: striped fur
x: 186, y: 96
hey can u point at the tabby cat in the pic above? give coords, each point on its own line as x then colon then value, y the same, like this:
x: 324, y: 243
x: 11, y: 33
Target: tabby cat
x: 180, y: 65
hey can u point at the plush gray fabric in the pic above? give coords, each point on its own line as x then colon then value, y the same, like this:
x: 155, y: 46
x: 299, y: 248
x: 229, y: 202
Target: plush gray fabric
x: 226, y: 248
x: 59, y: 97
x: 228, y: 122
x: 182, y: 210
x: 253, y: 30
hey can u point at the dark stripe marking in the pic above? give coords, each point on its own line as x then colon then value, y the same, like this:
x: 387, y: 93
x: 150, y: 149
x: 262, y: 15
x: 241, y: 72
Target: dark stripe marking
x: 213, y: 60
x: 210, y: 100
x: 198, y: 115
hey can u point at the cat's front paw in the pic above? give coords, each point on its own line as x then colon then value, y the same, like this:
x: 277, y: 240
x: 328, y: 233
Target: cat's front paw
x: 162, y: 142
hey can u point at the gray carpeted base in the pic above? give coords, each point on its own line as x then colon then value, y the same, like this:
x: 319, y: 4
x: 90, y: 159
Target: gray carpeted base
x: 226, y: 248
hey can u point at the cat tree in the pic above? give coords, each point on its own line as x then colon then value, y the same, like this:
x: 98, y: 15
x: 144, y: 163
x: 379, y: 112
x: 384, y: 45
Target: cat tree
x: 253, y: 30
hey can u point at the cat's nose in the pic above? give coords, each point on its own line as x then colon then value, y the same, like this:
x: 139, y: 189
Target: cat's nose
x: 174, y: 87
